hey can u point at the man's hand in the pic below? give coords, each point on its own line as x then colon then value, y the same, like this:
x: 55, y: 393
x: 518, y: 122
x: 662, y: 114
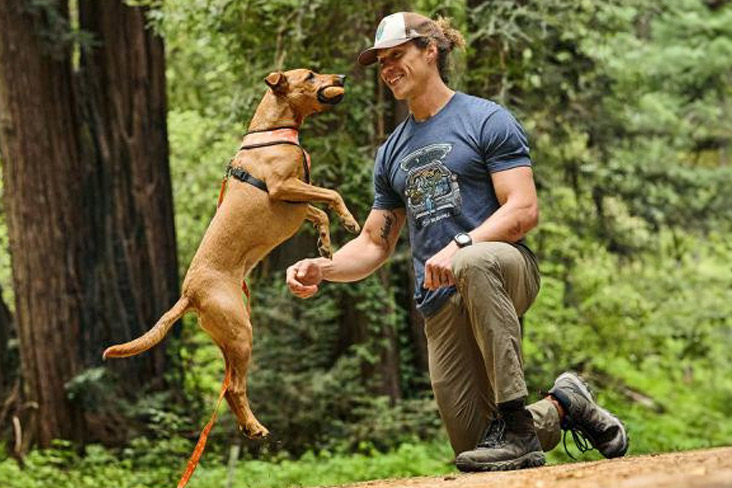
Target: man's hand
x: 438, y: 268
x: 303, y: 278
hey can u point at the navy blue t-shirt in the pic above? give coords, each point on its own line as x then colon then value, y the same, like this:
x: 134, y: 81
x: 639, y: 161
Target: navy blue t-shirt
x: 440, y: 171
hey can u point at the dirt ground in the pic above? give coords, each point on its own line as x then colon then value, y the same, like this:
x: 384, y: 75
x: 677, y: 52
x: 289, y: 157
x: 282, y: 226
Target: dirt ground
x: 696, y: 469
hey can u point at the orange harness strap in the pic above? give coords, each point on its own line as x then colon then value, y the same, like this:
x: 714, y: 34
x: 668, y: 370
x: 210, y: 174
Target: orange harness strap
x: 201, y: 444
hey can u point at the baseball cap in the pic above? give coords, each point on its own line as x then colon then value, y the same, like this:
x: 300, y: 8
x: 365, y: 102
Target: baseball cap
x: 397, y: 29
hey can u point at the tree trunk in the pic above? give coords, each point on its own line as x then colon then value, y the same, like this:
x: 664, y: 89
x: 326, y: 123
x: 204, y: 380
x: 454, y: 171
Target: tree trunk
x: 88, y: 200
x: 130, y: 223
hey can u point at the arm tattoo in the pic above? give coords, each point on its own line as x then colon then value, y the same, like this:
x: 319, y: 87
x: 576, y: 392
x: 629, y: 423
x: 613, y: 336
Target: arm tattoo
x: 389, y: 220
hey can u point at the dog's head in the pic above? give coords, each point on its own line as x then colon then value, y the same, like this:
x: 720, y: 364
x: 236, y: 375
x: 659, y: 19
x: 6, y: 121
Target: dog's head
x: 306, y: 91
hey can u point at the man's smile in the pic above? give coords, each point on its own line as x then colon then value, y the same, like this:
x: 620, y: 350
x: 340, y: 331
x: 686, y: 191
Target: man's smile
x: 394, y: 80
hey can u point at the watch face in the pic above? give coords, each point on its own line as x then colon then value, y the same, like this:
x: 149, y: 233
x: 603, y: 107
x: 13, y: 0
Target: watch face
x: 462, y: 239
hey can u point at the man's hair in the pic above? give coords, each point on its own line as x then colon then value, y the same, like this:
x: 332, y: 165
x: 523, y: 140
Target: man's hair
x: 446, y: 39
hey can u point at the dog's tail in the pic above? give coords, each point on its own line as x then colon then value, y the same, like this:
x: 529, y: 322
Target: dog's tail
x: 153, y: 336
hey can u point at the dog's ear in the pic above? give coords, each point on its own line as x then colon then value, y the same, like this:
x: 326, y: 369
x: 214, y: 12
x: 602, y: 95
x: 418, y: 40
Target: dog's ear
x: 277, y: 81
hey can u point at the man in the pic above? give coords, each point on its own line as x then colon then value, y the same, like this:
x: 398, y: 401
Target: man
x: 458, y: 171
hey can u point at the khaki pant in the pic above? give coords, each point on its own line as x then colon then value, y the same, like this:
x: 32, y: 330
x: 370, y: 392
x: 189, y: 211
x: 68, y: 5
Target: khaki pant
x: 474, y: 343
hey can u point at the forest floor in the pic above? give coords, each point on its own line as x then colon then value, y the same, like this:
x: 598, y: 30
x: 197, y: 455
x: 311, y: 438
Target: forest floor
x: 695, y: 469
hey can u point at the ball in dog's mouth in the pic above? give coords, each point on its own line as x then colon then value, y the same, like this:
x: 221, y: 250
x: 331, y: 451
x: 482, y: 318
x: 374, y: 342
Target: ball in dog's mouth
x: 331, y: 94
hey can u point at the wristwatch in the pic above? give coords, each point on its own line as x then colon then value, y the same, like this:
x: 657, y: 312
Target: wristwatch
x: 462, y: 239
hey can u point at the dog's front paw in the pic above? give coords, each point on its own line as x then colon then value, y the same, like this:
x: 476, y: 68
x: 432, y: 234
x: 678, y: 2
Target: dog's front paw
x: 324, y: 249
x: 351, y: 225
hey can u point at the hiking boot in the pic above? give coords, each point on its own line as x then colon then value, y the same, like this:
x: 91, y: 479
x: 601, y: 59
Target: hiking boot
x: 587, y: 421
x: 510, y: 442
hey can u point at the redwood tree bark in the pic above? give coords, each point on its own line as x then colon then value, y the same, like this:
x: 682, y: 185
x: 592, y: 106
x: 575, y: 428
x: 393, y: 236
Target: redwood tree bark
x: 88, y: 201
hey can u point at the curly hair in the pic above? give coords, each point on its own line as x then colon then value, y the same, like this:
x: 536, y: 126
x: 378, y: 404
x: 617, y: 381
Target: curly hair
x: 446, y: 38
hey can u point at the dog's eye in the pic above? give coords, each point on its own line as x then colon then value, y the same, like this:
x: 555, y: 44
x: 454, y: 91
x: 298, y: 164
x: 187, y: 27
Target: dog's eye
x: 311, y: 76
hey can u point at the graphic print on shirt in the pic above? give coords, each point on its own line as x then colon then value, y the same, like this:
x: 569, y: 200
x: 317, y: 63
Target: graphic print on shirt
x: 432, y: 190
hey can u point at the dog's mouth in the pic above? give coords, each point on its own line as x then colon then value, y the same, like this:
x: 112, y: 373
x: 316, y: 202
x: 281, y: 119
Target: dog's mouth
x: 331, y: 95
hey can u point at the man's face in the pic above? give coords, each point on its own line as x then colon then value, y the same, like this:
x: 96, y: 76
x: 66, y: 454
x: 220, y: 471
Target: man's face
x: 404, y: 69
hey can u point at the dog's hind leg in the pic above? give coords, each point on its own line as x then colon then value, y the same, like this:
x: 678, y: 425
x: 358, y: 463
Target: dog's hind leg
x: 226, y: 320
x: 237, y: 357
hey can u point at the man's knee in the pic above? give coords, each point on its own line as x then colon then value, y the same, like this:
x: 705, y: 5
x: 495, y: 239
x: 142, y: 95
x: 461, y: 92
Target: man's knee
x: 483, y: 257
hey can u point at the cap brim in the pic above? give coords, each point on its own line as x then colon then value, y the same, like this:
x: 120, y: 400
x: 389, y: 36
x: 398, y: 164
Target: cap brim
x: 368, y: 56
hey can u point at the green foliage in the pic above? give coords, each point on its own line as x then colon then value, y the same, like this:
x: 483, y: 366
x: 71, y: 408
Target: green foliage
x: 88, y: 388
x: 61, y: 466
x: 655, y: 337
x: 145, y: 464
x: 325, y: 468
x: 6, y: 283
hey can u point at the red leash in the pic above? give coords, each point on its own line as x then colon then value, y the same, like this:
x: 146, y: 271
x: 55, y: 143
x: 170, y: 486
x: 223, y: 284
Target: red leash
x: 201, y: 444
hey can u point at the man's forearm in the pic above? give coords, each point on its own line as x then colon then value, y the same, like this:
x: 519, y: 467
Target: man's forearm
x: 367, y: 252
x: 354, y: 261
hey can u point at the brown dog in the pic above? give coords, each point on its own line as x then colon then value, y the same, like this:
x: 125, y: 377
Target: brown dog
x: 264, y: 206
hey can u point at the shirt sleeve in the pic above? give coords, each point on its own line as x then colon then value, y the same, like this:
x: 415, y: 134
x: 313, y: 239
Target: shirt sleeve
x: 385, y: 198
x: 504, y: 142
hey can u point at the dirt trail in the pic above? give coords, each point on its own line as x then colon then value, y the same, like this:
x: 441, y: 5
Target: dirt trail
x: 696, y: 469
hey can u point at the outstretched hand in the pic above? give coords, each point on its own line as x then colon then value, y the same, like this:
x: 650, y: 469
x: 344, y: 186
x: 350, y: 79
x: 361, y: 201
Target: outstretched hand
x: 303, y: 278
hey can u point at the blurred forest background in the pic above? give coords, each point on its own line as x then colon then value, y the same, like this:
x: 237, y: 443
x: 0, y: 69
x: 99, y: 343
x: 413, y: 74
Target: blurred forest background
x: 117, y: 120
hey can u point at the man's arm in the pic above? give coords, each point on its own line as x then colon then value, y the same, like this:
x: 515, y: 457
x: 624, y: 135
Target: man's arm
x: 517, y: 215
x: 354, y: 261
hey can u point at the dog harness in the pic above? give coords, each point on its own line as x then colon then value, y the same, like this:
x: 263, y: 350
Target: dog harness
x: 265, y: 138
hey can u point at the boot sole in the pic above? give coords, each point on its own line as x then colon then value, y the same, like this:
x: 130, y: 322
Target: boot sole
x: 530, y: 460
x: 580, y: 383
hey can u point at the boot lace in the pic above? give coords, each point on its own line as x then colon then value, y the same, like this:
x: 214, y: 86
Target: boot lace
x: 493, y: 436
x: 580, y: 441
